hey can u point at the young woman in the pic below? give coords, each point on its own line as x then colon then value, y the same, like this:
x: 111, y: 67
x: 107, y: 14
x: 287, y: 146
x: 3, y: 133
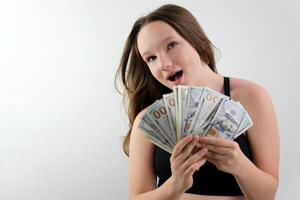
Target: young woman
x: 168, y: 48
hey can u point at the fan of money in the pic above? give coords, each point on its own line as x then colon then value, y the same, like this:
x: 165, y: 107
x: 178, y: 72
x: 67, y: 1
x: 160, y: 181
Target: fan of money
x: 193, y: 110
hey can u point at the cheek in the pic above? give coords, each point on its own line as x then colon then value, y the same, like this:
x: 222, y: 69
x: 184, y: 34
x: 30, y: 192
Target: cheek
x: 192, y: 58
x: 159, y: 76
x: 155, y: 72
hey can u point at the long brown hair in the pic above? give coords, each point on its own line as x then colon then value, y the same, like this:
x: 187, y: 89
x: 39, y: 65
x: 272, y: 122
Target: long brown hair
x: 140, y: 88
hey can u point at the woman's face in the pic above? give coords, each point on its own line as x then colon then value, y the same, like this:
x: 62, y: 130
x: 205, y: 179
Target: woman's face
x: 171, y: 59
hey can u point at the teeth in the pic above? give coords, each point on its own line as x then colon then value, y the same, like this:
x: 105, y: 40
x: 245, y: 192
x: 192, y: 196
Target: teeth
x: 172, y: 74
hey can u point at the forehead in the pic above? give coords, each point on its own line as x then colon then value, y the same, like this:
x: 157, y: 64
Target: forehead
x: 152, y: 35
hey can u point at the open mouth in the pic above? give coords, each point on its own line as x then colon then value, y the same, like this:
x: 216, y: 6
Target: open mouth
x: 175, y: 76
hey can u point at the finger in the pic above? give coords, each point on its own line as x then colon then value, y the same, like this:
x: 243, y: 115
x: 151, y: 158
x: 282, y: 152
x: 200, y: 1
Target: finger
x: 191, y: 170
x: 200, y: 163
x: 180, y: 145
x: 194, y: 158
x: 213, y: 161
x: 195, y: 150
x: 215, y: 156
x: 218, y: 150
x: 200, y: 145
x: 186, y: 152
x: 189, y: 148
x: 216, y: 141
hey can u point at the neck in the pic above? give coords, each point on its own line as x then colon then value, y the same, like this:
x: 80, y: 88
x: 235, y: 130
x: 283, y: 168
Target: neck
x: 212, y: 80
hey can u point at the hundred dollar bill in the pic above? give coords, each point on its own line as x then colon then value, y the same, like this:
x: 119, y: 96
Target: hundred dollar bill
x: 226, y: 120
x: 182, y: 92
x: 208, y: 102
x: 204, y: 127
x: 163, y: 136
x: 194, y: 96
x: 159, y: 144
x: 147, y: 120
x: 158, y: 114
x: 245, y: 124
x: 169, y: 101
x: 211, y: 99
x: 177, y: 125
x: 152, y: 135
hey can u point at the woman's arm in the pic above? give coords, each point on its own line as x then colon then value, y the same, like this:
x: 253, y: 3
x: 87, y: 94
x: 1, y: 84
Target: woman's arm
x: 260, y: 181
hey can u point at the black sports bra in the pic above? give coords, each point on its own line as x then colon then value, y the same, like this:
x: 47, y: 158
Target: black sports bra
x: 208, y: 180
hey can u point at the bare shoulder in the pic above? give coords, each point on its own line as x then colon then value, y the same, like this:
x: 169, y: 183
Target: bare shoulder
x: 258, y: 103
x: 248, y: 93
x: 137, y: 120
x: 138, y: 135
x: 245, y: 89
x: 139, y: 117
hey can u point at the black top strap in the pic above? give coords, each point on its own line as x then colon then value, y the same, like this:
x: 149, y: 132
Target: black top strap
x: 226, y: 86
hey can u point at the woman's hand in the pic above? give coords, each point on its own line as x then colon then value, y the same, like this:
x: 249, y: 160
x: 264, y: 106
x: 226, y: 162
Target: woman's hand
x: 226, y: 155
x: 186, y: 158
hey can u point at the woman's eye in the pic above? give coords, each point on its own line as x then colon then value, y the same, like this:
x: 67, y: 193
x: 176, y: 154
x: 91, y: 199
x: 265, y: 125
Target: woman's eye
x: 150, y: 59
x: 171, y: 45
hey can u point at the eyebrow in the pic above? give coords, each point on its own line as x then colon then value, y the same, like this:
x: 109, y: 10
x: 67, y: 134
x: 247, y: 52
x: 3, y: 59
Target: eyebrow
x: 168, y: 38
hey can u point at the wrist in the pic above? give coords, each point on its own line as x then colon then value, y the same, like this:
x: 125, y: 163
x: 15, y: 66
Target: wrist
x: 175, y: 187
x: 243, y: 167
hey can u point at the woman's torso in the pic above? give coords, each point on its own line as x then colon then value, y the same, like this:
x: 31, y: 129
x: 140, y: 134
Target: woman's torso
x: 209, y: 182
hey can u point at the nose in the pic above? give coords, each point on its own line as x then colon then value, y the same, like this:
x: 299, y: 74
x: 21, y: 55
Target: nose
x: 165, y: 62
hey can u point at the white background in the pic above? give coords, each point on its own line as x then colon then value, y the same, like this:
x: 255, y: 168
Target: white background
x: 61, y: 120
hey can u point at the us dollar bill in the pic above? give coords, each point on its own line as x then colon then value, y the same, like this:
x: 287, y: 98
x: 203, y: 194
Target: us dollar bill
x: 194, y: 96
x: 146, y: 119
x: 158, y: 114
x: 226, y: 120
x: 205, y: 126
x: 169, y: 101
x: 208, y: 102
x: 182, y: 94
x: 245, y: 124
x: 152, y: 135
